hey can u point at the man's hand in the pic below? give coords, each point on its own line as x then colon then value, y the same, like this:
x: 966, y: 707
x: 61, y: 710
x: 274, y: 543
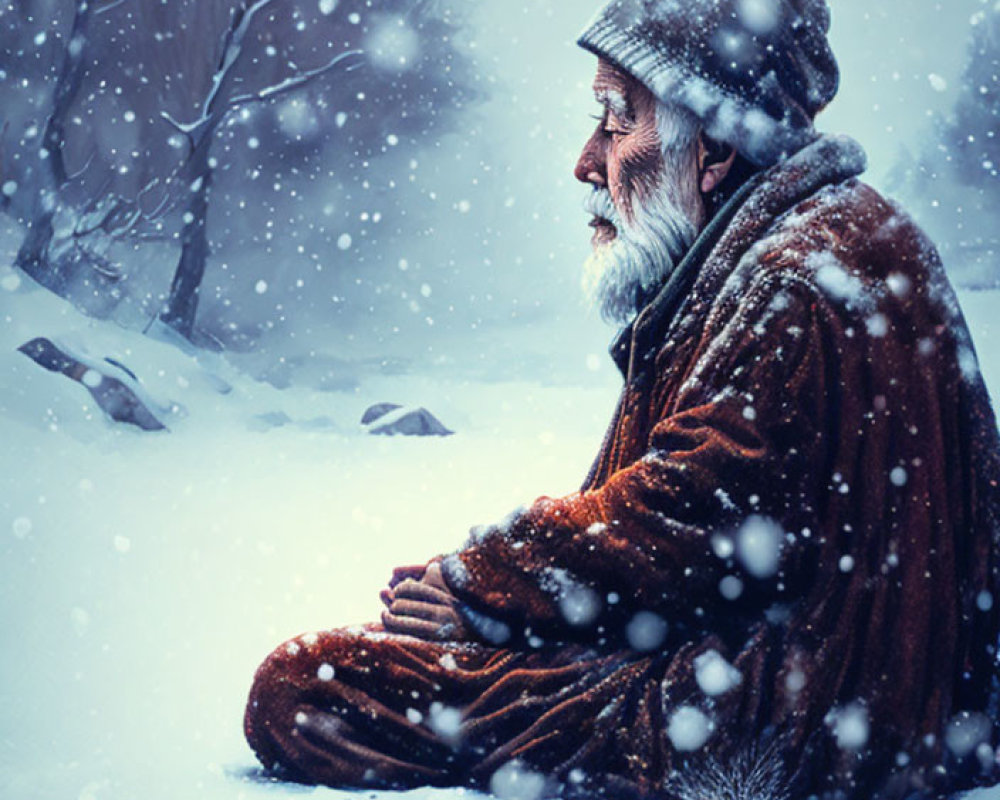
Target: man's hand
x: 419, y: 603
x: 399, y: 574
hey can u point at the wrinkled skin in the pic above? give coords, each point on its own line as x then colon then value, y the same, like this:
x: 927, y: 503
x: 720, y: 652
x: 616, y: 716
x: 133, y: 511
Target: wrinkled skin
x: 624, y: 153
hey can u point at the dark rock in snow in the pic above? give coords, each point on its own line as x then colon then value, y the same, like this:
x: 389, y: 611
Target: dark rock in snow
x: 117, y: 399
x: 407, y: 422
x: 378, y: 410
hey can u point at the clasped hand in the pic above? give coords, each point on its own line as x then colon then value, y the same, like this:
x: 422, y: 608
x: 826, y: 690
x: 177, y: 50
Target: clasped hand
x: 418, y: 603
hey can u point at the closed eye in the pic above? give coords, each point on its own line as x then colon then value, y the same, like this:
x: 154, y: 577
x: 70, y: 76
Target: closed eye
x: 606, y: 126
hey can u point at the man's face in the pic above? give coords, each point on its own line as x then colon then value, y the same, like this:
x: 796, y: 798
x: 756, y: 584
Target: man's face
x: 624, y: 153
x: 641, y: 166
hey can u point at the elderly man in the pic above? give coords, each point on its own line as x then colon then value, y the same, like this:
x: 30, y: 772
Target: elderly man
x: 780, y: 577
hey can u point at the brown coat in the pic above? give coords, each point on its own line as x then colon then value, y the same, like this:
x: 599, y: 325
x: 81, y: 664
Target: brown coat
x: 806, y: 369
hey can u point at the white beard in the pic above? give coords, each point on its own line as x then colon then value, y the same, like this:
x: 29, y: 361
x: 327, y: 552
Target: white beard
x: 618, y: 275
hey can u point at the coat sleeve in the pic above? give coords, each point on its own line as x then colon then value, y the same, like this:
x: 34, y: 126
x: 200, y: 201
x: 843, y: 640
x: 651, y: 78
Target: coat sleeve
x: 717, y: 501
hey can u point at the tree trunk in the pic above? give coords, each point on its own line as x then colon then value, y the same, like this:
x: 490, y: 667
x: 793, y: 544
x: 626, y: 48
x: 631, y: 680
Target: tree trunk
x: 32, y: 256
x: 182, y: 305
x: 50, y: 170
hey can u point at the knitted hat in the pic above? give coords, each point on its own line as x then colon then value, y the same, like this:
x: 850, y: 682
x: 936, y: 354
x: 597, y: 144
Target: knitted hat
x: 755, y: 72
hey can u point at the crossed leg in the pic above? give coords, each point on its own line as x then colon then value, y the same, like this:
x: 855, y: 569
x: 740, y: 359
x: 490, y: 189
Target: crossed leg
x: 362, y: 708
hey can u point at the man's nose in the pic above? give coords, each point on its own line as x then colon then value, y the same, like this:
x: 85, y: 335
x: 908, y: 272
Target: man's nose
x: 591, y: 166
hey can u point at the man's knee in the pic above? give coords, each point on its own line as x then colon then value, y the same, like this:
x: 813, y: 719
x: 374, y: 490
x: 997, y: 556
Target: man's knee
x: 286, y: 688
x: 332, y: 708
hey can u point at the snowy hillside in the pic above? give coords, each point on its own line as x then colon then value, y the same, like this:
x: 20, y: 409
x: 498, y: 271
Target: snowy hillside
x: 145, y: 575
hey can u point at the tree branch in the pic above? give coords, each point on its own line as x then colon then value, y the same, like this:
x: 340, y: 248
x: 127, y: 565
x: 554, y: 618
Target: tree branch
x: 83, y: 169
x: 108, y: 7
x: 185, y: 128
x: 214, y: 107
x: 81, y: 231
x: 294, y: 82
x: 232, y: 48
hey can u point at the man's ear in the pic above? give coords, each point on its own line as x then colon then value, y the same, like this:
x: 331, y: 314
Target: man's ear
x: 714, y: 162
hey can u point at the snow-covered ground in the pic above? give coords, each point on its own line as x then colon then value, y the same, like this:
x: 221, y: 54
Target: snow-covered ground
x: 144, y: 576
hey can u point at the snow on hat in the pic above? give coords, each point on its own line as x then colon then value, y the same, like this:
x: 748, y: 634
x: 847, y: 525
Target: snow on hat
x: 755, y: 72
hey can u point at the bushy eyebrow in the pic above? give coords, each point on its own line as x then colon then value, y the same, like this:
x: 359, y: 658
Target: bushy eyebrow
x: 613, y: 100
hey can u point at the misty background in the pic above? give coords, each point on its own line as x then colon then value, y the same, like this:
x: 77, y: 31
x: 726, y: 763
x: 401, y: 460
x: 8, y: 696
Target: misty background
x: 416, y: 211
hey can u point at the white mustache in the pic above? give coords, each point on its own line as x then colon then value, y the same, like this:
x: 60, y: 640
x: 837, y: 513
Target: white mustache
x: 598, y: 203
x: 643, y: 253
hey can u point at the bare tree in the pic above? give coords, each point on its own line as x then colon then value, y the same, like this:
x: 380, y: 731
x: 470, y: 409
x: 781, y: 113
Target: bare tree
x: 181, y: 307
x: 139, y: 100
x: 49, y: 173
x: 88, y: 232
